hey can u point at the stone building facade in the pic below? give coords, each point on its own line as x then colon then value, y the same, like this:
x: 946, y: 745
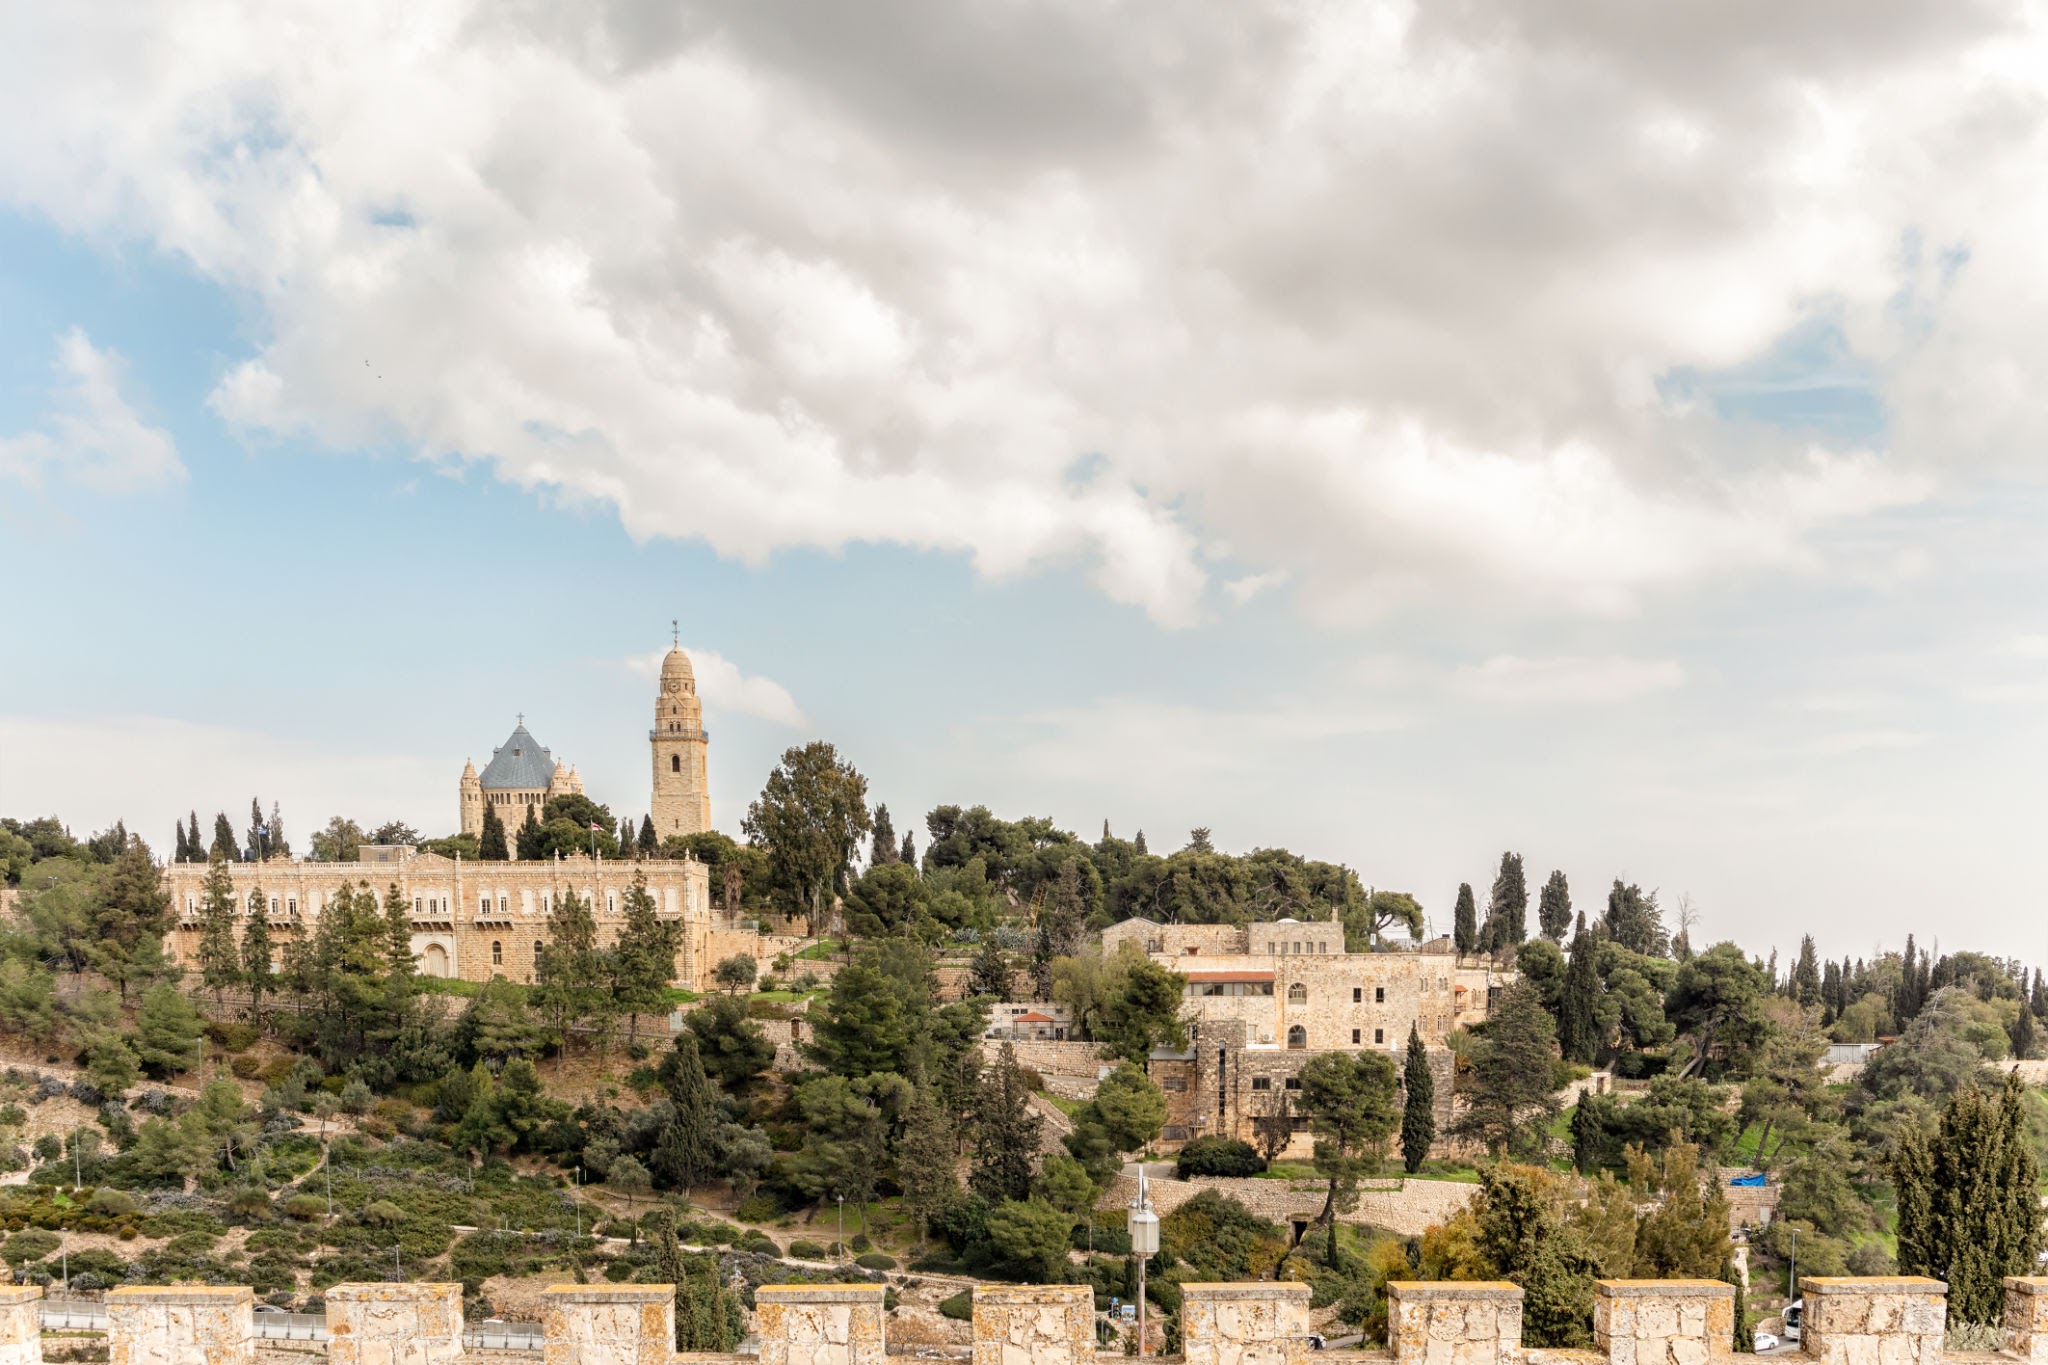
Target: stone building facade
x: 1262, y: 999
x: 521, y: 776
x: 472, y: 920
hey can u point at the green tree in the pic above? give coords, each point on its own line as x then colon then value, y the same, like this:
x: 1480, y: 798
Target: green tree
x: 1418, y: 1105
x: 1634, y: 921
x: 810, y: 817
x: 1685, y: 1234
x: 341, y: 842
x: 1718, y: 1000
x: 219, y: 963
x: 732, y: 1047
x: 167, y: 1031
x: 642, y: 960
x: 1969, y: 1212
x: 882, y: 848
x: 531, y: 842
x: 866, y: 1025
x: 568, y: 980
x: 1554, y: 908
x: 1465, y: 921
x: 1031, y: 1235
x: 491, y: 842
x: 736, y: 973
x: 1366, y: 926
x: 1144, y: 1013
x: 1006, y: 1136
x: 990, y: 974
x: 646, y: 843
x: 1524, y: 1235
x: 1806, y: 974
x: 256, y: 965
x: 224, y: 843
x: 1507, y: 909
x: 1130, y: 1107
x: 1349, y: 1098
x: 629, y: 1178
x: 926, y: 1160
x: 1509, y: 1100
x: 686, y: 1152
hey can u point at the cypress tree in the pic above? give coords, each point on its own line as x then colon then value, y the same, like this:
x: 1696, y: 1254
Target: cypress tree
x: 1138, y: 846
x: 647, y: 842
x: 626, y: 836
x: 1418, y: 1109
x: 491, y: 843
x: 2038, y: 1000
x: 224, y: 845
x: 1554, y: 908
x: 256, y: 968
x: 530, y: 843
x: 1465, y: 921
x: 220, y: 965
x: 683, y: 1156
x: 1806, y: 974
x: 2023, y: 1032
x: 1507, y: 908
x: 1744, y: 1342
x: 1006, y: 1137
x: 398, y: 942
x: 1968, y: 1207
x: 884, y: 847
x: 990, y: 974
x: 184, y: 849
x: 909, y: 854
x: 1578, y: 1023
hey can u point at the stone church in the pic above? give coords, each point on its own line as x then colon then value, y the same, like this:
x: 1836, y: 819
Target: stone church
x: 475, y: 920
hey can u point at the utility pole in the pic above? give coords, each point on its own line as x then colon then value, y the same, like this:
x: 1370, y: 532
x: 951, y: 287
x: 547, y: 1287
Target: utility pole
x: 842, y: 1226
x: 1143, y: 1225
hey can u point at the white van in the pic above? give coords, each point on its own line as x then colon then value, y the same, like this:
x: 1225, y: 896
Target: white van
x: 1793, y: 1310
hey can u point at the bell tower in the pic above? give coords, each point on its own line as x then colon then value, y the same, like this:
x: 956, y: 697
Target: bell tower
x: 682, y: 793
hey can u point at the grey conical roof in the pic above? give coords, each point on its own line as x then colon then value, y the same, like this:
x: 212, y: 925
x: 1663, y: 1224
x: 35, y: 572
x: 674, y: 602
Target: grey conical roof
x: 519, y: 764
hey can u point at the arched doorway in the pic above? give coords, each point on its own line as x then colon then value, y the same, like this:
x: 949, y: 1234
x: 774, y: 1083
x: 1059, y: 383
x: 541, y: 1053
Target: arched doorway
x: 434, y: 961
x: 1297, y: 1037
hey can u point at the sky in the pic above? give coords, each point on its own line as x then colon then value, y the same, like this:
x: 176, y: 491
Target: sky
x: 1396, y: 433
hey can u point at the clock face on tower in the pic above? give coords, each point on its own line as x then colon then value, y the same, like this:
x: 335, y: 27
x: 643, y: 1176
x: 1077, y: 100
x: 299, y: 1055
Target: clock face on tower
x: 674, y: 685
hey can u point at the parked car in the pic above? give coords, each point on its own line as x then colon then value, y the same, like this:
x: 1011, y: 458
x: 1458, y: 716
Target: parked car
x: 268, y: 1308
x: 1315, y: 1341
x: 1764, y: 1341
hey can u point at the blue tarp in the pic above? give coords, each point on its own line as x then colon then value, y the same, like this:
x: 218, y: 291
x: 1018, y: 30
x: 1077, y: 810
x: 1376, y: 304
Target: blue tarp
x: 1751, y: 1182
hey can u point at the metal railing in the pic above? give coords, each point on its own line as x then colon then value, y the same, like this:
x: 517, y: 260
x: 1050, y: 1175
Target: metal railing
x: 88, y: 1315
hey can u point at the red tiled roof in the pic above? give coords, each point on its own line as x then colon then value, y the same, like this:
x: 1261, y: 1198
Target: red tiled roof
x: 1229, y: 976
x: 1033, y: 1018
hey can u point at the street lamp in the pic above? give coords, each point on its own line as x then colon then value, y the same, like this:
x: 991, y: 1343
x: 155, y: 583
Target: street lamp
x: 842, y: 1225
x: 1143, y: 1225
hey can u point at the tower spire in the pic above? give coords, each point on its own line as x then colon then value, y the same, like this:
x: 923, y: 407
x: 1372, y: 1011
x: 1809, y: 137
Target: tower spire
x: 675, y: 632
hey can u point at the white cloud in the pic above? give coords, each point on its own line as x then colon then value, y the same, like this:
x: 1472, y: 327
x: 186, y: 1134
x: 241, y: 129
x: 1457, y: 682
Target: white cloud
x: 724, y: 688
x: 2028, y: 646
x: 1512, y: 679
x: 151, y: 770
x: 91, y: 436
x: 1376, y: 296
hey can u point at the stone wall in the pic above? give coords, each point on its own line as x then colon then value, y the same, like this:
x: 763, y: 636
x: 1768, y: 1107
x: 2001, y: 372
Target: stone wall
x: 182, y: 1325
x: 394, y: 1324
x: 1054, y: 1059
x: 1243, y: 1324
x: 1408, y: 1207
x: 814, y: 1324
x: 2026, y: 1319
x: 21, y: 1326
x: 1034, y: 1324
x: 1887, y: 1321
x: 1663, y: 1322
x: 619, y: 1325
x: 1439, y: 1323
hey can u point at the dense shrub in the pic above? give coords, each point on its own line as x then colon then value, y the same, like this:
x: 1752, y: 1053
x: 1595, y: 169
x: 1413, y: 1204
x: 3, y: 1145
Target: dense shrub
x: 806, y: 1251
x: 30, y: 1244
x: 111, y: 1203
x: 1218, y: 1156
x: 875, y: 1260
x: 759, y: 1244
x: 960, y: 1307
x: 859, y: 1242
x: 305, y: 1207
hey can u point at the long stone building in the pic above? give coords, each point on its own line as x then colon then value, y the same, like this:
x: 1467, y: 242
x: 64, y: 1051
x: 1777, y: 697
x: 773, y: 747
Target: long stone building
x: 1262, y: 999
x: 475, y: 920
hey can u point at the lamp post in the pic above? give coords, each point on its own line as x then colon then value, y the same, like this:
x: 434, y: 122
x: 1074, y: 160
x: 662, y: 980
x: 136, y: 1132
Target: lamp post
x: 1143, y: 1225
x: 842, y: 1225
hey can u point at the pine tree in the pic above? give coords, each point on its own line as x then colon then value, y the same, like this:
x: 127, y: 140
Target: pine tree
x: 1138, y: 845
x: 2023, y: 1032
x: 1006, y: 1134
x: 1418, y: 1109
x: 256, y: 968
x: 531, y: 843
x: 1510, y: 1102
x: 398, y: 941
x: 1578, y: 1021
x: 1554, y: 908
x: 1507, y: 908
x: 883, y: 849
x: 491, y: 843
x: 643, y: 958
x: 909, y: 854
x: 224, y: 845
x: 1465, y: 921
x: 683, y: 1156
x: 1806, y: 974
x: 568, y: 979
x: 990, y: 974
x: 220, y: 966
x: 648, y: 844
x: 925, y: 1157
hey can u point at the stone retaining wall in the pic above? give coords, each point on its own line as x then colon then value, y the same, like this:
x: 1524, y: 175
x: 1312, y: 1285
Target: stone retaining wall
x: 181, y: 1325
x: 1899, y: 1320
x: 21, y: 1326
x: 619, y: 1325
x: 1438, y: 1323
x: 1411, y: 1209
x: 1662, y: 1322
x: 1034, y: 1324
x: 394, y: 1324
x: 1243, y: 1324
x: 820, y: 1324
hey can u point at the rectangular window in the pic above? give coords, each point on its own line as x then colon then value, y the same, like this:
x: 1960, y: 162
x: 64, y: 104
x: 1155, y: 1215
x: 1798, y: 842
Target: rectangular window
x: 273, y: 905
x: 483, y: 905
x: 1379, y: 995
x: 1262, y: 1082
x: 1294, y: 1082
x: 1357, y: 994
x: 1171, y: 1133
x: 1354, y: 1035
x: 1379, y: 1035
x: 1174, y: 1083
x: 291, y: 906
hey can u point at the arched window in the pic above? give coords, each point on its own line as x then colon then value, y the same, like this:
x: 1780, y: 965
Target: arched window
x: 1297, y: 1037
x: 675, y: 763
x: 497, y: 953
x: 1297, y: 994
x: 537, y: 946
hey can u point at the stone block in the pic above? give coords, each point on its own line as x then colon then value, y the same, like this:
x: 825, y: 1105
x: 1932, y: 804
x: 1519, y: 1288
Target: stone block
x: 1883, y: 1320
x: 21, y: 1325
x: 615, y: 1325
x: 394, y: 1324
x: 181, y: 1325
x: 2026, y: 1318
x: 1447, y: 1322
x: 1034, y: 1324
x: 1244, y: 1324
x: 1663, y: 1322
x: 819, y: 1324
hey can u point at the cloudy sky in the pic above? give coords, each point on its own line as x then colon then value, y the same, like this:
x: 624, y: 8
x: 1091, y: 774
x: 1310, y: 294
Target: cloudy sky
x: 1394, y: 432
